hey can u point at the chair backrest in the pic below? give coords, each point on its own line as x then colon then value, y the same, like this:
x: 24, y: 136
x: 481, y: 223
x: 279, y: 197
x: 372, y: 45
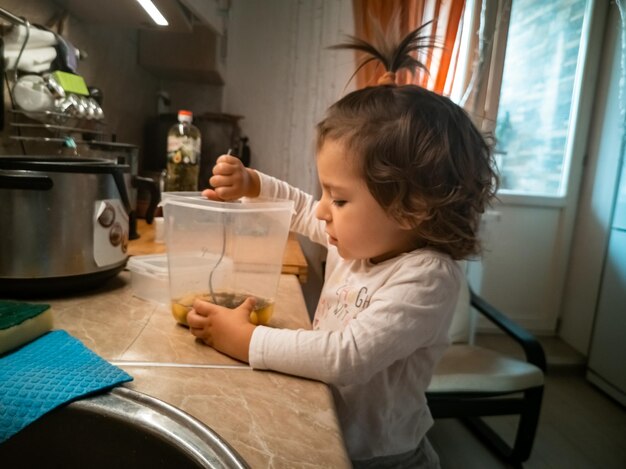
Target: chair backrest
x: 461, y: 328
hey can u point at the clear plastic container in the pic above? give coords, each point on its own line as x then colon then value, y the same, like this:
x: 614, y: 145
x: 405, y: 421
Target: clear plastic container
x: 224, y: 252
x: 149, y: 277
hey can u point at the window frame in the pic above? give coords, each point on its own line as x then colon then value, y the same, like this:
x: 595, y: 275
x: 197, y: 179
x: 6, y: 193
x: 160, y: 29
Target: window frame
x: 574, y: 152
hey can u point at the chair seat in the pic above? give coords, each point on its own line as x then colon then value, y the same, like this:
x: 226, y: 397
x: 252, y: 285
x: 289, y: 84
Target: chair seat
x: 469, y: 368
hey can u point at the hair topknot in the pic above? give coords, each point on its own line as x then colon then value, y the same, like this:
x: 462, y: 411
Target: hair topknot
x: 392, y: 52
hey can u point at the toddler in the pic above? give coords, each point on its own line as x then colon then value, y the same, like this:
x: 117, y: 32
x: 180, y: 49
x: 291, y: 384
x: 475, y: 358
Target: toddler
x: 405, y: 176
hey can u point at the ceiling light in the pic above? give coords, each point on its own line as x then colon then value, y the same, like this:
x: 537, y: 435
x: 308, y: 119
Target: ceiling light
x: 154, y: 12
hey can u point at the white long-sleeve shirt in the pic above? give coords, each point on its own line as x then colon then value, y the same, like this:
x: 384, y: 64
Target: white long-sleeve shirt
x: 378, y: 332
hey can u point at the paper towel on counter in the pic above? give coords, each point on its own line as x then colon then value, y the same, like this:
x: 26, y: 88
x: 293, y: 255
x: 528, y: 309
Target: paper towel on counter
x: 46, y: 373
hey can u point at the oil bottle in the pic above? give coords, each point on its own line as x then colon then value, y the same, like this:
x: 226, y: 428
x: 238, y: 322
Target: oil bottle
x: 183, y: 154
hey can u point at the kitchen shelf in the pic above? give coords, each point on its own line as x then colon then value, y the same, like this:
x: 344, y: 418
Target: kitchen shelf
x: 50, y: 127
x: 53, y: 133
x: 58, y: 128
x: 62, y: 121
x: 93, y: 143
x: 38, y: 139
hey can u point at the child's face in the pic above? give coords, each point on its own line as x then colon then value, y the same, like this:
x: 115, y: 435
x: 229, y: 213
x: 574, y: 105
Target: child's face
x: 355, y: 222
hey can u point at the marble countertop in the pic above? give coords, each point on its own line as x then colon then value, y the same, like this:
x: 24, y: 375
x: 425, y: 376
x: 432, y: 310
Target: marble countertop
x: 273, y: 420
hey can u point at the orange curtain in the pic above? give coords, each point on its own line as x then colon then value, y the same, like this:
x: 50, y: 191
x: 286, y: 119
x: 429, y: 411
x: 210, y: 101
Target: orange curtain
x: 446, y: 16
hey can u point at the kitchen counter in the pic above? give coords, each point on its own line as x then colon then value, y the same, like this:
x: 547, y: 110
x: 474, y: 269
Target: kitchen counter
x: 294, y: 261
x: 271, y: 419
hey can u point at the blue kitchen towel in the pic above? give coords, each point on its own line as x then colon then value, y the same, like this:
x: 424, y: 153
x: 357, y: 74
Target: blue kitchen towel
x: 52, y: 370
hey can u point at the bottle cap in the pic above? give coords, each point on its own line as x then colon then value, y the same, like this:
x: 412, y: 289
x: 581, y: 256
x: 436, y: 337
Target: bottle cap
x: 185, y: 116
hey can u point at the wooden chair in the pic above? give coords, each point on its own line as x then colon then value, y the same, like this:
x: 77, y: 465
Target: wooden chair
x: 471, y: 382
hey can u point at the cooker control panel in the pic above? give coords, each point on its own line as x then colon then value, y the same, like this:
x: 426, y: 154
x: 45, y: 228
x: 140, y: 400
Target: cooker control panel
x: 110, y: 232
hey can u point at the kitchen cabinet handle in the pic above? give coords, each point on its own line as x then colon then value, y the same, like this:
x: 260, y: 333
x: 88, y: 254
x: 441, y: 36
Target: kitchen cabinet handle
x: 26, y: 182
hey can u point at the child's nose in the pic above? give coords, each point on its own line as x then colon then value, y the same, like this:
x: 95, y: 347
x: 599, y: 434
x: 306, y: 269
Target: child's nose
x: 322, y: 212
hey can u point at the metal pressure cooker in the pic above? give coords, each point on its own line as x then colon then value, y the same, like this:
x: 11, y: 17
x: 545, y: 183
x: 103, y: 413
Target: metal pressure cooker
x: 64, y: 223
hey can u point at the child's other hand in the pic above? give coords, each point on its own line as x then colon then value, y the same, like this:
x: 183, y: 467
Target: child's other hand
x: 224, y: 329
x: 232, y: 180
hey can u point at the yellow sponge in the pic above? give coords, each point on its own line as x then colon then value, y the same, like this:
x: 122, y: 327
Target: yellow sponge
x: 21, y: 323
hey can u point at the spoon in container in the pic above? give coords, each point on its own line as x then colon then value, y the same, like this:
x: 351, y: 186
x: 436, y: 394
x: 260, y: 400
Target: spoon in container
x: 219, y: 260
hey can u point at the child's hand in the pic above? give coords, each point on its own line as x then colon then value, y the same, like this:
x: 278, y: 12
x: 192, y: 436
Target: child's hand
x: 232, y: 180
x: 224, y: 329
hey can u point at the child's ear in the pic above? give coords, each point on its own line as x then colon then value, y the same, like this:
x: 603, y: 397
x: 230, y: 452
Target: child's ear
x: 406, y: 224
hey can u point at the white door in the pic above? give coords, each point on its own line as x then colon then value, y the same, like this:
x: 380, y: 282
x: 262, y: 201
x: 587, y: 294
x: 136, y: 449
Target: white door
x: 544, y: 111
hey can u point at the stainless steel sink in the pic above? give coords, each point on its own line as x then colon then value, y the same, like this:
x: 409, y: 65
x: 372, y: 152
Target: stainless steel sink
x: 119, y: 429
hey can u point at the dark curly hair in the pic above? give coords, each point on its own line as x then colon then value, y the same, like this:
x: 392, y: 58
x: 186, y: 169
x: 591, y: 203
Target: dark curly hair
x: 423, y: 160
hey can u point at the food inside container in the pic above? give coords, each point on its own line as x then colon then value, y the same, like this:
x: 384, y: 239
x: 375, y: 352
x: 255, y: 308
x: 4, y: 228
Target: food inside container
x: 261, y: 314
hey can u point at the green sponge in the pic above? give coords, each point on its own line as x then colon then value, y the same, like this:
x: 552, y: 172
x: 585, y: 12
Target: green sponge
x: 21, y: 323
x: 71, y: 83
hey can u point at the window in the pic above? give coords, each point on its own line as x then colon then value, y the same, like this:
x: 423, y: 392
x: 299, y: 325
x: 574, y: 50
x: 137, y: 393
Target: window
x: 536, y: 97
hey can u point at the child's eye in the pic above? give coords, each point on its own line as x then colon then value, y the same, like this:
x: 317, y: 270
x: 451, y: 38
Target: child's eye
x: 339, y: 203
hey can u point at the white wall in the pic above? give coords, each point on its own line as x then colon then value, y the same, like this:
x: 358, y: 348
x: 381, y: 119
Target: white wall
x: 281, y: 78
